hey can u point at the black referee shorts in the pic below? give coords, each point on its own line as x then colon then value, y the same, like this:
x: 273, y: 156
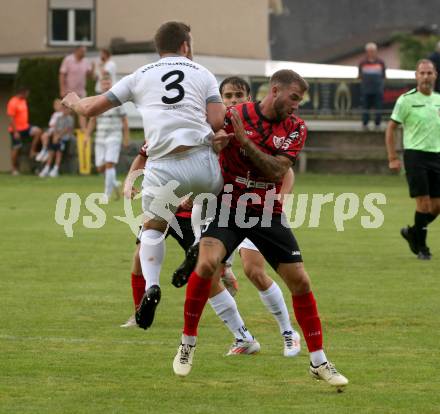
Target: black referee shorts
x: 276, y: 243
x: 422, y: 173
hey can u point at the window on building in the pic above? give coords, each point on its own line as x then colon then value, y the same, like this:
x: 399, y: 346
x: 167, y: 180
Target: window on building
x: 71, y: 22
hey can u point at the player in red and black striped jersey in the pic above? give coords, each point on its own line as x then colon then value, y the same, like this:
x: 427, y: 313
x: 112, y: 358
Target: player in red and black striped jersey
x: 281, y: 139
x: 222, y: 301
x: 261, y: 146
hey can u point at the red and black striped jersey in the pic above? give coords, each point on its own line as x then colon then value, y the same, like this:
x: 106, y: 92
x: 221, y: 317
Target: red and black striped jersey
x: 285, y: 138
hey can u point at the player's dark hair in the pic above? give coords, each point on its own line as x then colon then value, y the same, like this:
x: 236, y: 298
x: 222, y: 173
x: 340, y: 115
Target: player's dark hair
x: 170, y: 37
x: 286, y: 76
x: 420, y: 61
x: 236, y: 81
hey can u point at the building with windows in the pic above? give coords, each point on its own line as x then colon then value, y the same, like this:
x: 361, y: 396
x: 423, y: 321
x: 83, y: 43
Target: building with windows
x: 53, y: 27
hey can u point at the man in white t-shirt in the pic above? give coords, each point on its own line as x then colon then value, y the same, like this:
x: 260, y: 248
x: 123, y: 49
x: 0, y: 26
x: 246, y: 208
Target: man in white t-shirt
x: 111, y: 131
x: 180, y: 106
x: 106, y: 67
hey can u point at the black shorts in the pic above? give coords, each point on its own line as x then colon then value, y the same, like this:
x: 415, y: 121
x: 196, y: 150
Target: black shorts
x: 61, y: 145
x: 422, y: 173
x: 25, y: 135
x: 188, y: 235
x: 276, y: 243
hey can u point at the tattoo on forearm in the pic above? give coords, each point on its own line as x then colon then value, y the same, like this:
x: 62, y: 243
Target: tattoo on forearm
x: 267, y: 164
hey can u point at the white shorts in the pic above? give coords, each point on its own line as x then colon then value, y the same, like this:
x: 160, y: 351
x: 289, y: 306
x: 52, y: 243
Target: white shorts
x: 247, y: 244
x: 172, y: 177
x: 107, y: 151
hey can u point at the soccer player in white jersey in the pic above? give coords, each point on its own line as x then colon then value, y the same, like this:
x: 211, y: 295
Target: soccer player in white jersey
x: 181, y: 107
x: 111, y: 131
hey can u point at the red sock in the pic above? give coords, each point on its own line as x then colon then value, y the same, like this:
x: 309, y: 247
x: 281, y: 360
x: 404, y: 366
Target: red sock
x: 197, y: 293
x: 306, y: 314
x: 138, y: 288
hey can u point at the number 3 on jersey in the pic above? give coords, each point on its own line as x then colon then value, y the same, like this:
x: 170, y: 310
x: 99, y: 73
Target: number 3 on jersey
x: 174, y: 84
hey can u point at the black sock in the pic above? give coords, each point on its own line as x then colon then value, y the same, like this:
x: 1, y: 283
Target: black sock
x: 421, y: 221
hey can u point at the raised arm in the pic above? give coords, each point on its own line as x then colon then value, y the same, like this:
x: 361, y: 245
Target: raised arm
x: 90, y: 106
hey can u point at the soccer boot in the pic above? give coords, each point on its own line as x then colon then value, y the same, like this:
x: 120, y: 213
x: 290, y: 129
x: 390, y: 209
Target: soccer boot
x: 240, y: 347
x: 182, y: 363
x: 145, y: 311
x: 131, y: 321
x: 424, y: 253
x: 292, y: 343
x: 183, y: 272
x: 229, y: 281
x: 408, y: 234
x: 328, y: 372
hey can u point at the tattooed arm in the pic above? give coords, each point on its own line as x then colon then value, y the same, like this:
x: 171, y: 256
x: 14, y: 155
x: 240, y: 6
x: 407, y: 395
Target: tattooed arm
x: 272, y: 167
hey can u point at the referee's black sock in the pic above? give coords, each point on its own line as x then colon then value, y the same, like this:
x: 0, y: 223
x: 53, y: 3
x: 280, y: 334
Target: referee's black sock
x: 421, y: 221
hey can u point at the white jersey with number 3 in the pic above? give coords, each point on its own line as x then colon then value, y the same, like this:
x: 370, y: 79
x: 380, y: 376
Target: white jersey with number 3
x: 171, y: 95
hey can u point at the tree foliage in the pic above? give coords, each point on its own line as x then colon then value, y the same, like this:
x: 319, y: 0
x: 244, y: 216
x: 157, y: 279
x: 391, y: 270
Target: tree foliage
x: 414, y: 47
x: 40, y: 76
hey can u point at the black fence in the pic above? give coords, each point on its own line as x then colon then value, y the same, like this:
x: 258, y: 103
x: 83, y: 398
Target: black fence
x: 337, y: 98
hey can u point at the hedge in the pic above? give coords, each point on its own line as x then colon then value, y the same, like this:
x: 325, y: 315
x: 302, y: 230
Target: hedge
x: 40, y: 76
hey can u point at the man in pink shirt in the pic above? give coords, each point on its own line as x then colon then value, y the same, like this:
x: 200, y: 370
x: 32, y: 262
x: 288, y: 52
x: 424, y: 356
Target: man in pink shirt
x: 73, y: 74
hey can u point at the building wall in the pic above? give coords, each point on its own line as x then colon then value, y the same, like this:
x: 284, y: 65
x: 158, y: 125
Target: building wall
x: 219, y: 27
x: 23, y: 27
x: 389, y: 54
x: 224, y: 28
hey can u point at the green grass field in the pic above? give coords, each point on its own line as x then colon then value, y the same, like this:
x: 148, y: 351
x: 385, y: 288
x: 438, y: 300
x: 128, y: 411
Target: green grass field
x: 63, y: 299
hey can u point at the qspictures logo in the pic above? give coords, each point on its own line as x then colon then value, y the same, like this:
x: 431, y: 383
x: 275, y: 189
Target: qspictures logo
x: 299, y: 210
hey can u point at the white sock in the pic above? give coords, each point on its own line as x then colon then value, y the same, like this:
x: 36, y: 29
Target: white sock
x: 151, y: 256
x: 196, y: 221
x: 46, y: 169
x: 55, y: 168
x: 225, y: 307
x: 230, y: 259
x: 274, y: 301
x: 110, y: 177
x: 189, y: 340
x: 318, y: 358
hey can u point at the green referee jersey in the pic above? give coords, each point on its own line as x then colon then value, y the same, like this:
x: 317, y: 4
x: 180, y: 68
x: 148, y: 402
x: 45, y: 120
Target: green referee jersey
x: 419, y: 115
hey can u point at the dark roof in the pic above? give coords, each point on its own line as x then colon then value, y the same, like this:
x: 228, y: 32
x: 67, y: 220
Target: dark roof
x: 324, y: 31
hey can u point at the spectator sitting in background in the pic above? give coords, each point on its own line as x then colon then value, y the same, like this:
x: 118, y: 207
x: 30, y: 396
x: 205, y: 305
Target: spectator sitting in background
x: 43, y: 155
x: 19, y: 127
x: 434, y: 57
x: 63, y: 132
x: 106, y: 67
x: 372, y: 76
x: 74, y: 70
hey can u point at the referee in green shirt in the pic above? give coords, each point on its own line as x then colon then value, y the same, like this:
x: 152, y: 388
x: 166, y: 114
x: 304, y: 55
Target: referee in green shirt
x: 418, y: 111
